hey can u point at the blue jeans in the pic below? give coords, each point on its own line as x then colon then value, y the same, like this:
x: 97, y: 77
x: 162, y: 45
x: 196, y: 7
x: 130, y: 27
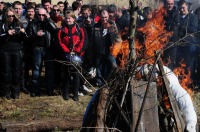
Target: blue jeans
x: 41, y: 54
x: 38, y: 56
x: 104, y: 66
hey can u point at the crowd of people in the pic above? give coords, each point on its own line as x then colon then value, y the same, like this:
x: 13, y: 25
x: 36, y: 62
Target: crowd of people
x: 68, y: 40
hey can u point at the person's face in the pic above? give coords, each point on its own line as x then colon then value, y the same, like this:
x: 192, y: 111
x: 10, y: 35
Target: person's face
x: 1, y: 5
x: 41, y: 14
x: 86, y: 13
x: 61, y: 7
x: 56, y: 11
x: 112, y: 16
x: 31, y: 13
x: 47, y: 6
x: 183, y: 9
x: 169, y: 4
x: 104, y: 17
x: 81, y: 2
x: 148, y: 15
x: 18, y: 9
x: 11, y: 16
x: 69, y: 20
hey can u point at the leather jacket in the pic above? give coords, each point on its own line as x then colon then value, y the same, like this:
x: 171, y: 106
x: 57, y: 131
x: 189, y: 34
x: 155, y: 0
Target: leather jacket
x: 49, y: 29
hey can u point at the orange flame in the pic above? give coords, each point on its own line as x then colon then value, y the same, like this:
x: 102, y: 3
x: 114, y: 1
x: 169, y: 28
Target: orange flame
x: 121, y: 48
x: 155, y: 35
x: 115, y: 48
x: 166, y: 101
x: 184, y: 77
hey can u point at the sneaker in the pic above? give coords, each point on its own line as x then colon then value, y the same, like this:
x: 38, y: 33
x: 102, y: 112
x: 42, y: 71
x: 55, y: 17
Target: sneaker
x: 80, y: 94
x: 87, y: 89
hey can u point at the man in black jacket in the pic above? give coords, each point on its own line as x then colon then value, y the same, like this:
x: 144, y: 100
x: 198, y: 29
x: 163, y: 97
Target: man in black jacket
x: 42, y: 31
x: 171, y: 25
x: 104, y: 35
x: 188, y: 26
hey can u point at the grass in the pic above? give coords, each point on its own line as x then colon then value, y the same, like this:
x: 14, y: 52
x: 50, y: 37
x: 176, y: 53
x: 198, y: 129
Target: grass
x: 28, y: 108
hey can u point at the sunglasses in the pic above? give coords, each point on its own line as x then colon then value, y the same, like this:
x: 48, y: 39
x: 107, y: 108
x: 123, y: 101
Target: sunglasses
x: 41, y: 14
x: 56, y: 10
x: 11, y: 15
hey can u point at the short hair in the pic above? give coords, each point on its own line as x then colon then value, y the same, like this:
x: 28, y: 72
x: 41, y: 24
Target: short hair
x: 119, y: 9
x: 71, y: 14
x: 45, y: 1
x: 16, y: 3
x: 181, y: 2
x: 147, y: 10
x: 102, y: 12
x: 55, y: 6
x: 38, y: 6
x: 33, y: 4
x: 75, y: 5
x: 30, y: 7
x: 112, y: 8
x: 85, y: 7
x: 60, y: 2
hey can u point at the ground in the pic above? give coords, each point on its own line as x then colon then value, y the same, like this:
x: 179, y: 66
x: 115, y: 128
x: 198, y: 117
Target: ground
x: 42, y: 113
x: 49, y: 113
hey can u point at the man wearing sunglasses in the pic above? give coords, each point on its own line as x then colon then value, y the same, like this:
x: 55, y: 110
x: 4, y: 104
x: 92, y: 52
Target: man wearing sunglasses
x: 43, y: 32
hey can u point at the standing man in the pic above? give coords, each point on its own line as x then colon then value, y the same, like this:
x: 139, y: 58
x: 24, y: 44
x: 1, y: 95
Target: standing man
x: 28, y: 47
x: 43, y: 32
x: 47, y: 5
x: 172, y: 24
x: 188, y: 26
x: 61, y: 7
x: 76, y: 8
x: 17, y: 5
x: 104, y: 35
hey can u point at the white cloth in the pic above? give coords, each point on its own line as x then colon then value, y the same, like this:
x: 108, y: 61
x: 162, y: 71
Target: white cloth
x: 183, y: 99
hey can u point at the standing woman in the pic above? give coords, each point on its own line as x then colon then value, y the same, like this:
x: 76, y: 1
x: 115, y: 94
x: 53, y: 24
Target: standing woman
x: 11, y: 36
x: 71, y: 39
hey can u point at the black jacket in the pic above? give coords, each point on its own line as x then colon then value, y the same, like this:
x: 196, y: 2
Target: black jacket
x: 172, y: 20
x: 11, y: 42
x: 103, y: 38
x: 188, y: 26
x: 47, y: 26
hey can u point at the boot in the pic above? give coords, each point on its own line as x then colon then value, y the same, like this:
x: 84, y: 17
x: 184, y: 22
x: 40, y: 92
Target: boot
x: 76, y: 86
x: 65, y: 93
x: 23, y: 86
x: 8, y: 95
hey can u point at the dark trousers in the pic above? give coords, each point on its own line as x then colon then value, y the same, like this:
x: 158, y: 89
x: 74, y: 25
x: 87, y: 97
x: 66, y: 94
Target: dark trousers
x: 10, y: 71
x: 71, y: 76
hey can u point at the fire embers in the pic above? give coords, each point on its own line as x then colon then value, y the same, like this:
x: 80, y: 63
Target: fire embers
x: 155, y: 37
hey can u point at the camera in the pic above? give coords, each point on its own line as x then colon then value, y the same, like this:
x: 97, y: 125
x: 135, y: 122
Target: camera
x: 17, y: 30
